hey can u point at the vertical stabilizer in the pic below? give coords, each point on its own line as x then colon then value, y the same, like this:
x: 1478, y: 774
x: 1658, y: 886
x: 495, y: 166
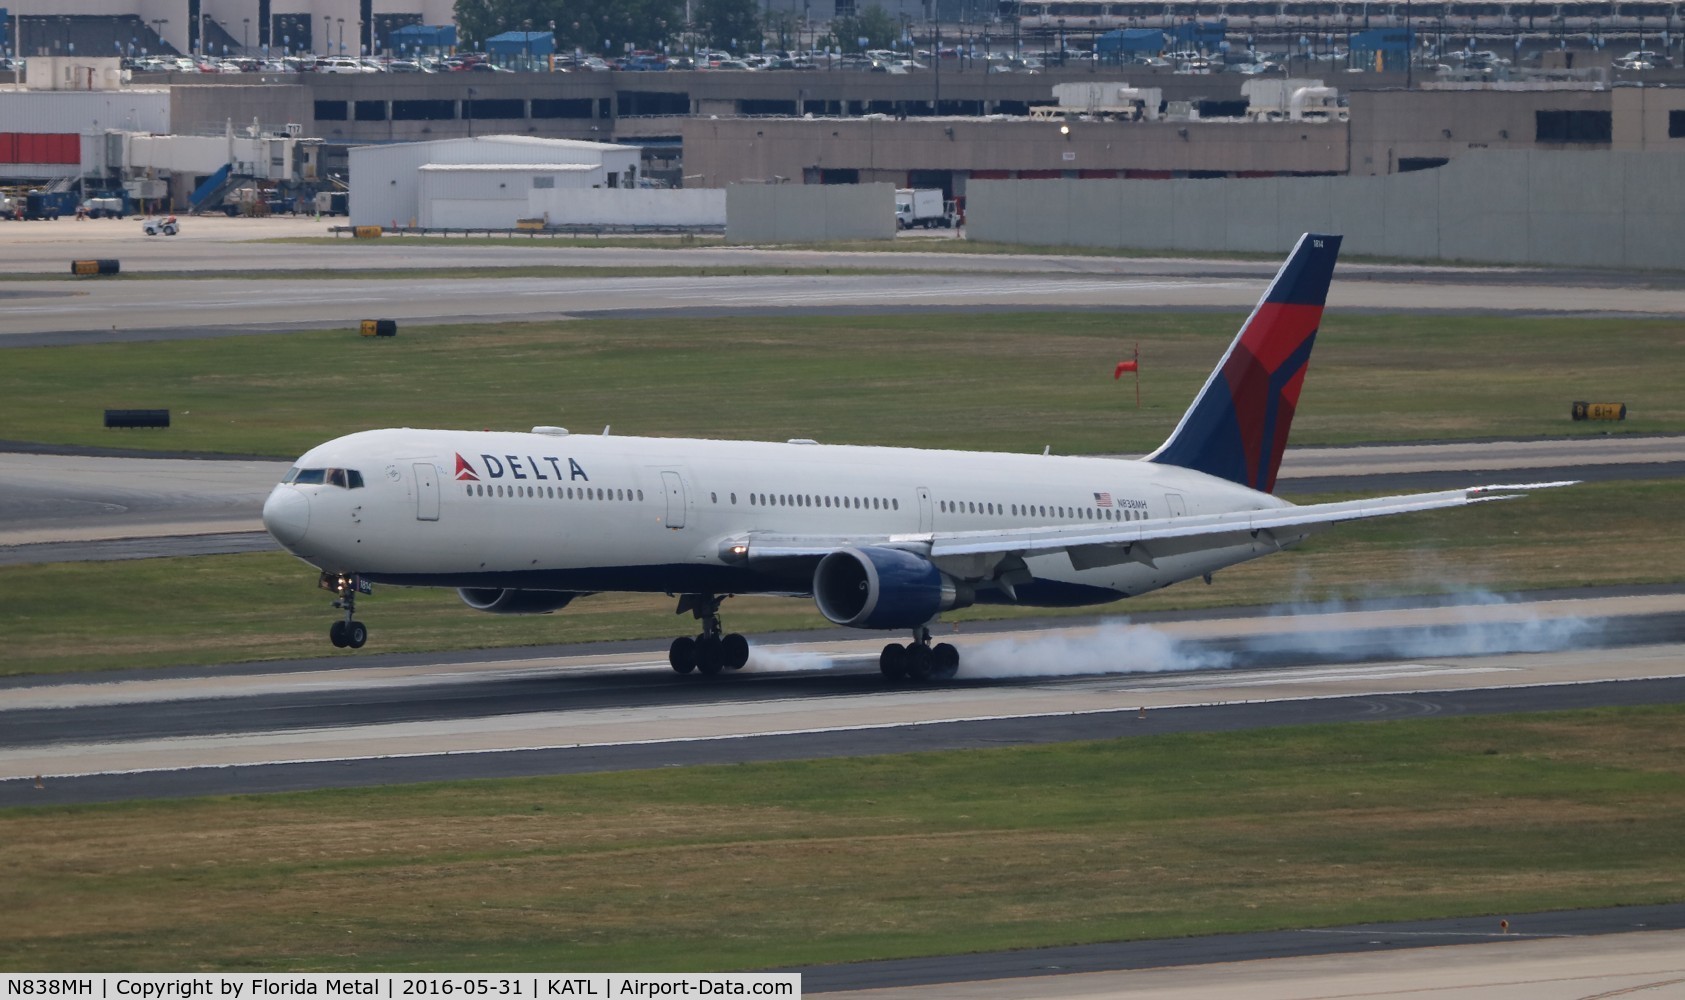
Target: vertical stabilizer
x: 1237, y: 427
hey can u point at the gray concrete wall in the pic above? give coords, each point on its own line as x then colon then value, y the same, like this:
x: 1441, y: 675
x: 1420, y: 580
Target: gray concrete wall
x: 809, y: 213
x: 1601, y: 208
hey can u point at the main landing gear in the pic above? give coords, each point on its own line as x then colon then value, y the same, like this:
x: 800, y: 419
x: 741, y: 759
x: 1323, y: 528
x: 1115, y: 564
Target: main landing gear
x: 919, y: 660
x: 710, y: 652
x: 348, y: 632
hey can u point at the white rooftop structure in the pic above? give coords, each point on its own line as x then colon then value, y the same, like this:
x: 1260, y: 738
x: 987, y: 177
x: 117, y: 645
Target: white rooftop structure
x: 387, y: 180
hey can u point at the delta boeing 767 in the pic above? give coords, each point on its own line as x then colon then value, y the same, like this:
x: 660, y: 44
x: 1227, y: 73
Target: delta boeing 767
x: 879, y: 538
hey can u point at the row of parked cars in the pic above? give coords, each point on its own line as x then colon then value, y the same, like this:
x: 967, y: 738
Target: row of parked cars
x: 307, y: 64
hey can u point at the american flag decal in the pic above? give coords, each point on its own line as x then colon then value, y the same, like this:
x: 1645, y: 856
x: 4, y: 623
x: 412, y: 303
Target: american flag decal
x: 1102, y: 499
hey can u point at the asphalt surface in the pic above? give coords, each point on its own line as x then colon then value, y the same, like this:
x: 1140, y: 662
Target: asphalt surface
x: 192, y: 782
x: 1172, y: 952
x: 42, y: 307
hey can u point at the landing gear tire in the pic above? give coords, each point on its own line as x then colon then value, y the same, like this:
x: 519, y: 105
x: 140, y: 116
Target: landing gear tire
x: 713, y: 650
x: 708, y: 654
x: 681, y: 655
x: 348, y: 631
x: 892, y: 662
x: 919, y: 660
x: 916, y: 661
x: 944, y: 661
x: 734, y: 651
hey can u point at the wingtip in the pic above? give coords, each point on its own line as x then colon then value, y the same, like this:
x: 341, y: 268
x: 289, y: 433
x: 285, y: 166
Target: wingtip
x: 1520, y: 487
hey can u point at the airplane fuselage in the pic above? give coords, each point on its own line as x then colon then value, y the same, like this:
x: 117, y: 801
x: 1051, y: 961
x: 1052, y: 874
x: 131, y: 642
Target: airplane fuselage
x: 586, y: 513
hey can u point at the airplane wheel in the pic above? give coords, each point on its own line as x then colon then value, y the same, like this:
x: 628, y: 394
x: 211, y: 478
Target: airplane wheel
x: 681, y: 655
x: 336, y: 634
x: 944, y: 661
x: 892, y: 662
x: 917, y: 662
x: 356, y: 635
x: 708, y: 658
x: 734, y: 651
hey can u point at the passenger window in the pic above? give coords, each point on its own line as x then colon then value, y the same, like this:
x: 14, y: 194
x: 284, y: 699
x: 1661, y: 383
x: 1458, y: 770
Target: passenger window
x: 894, y: 503
x: 734, y: 499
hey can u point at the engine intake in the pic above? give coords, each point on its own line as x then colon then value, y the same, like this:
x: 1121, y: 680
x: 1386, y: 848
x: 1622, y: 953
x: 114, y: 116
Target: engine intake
x: 498, y: 601
x: 884, y: 588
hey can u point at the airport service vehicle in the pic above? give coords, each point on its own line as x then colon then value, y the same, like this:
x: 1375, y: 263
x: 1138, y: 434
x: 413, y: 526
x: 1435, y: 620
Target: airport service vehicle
x: 166, y: 226
x: 878, y: 538
x: 104, y: 207
x: 331, y: 203
x: 922, y: 207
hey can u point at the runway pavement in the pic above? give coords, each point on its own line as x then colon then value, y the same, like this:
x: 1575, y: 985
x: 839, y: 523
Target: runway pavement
x: 453, y: 716
x: 63, y: 312
x: 1579, y: 955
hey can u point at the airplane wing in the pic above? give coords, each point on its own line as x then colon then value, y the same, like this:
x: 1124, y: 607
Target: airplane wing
x: 980, y: 555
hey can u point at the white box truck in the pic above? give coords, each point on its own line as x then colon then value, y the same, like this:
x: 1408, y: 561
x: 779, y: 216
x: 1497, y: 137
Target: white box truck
x: 921, y: 207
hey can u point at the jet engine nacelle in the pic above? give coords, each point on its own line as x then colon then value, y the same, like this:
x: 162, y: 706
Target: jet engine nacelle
x: 514, y: 602
x: 884, y: 588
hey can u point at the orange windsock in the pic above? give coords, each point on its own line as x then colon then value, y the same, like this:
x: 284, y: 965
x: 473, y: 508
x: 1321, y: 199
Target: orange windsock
x: 1126, y: 366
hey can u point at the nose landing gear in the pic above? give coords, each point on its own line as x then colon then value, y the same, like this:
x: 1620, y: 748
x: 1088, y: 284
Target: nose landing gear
x: 348, y: 632
x: 712, y: 651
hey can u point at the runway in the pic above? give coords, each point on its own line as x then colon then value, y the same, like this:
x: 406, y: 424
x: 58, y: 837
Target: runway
x: 44, y: 312
x: 426, y: 718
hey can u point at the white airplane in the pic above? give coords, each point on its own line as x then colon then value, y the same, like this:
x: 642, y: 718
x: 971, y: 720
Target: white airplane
x: 880, y: 538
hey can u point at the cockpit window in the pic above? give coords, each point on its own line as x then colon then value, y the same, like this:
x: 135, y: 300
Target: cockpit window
x: 349, y: 479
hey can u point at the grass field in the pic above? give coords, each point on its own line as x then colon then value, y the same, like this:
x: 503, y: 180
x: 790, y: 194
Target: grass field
x: 824, y: 861
x: 65, y: 617
x: 999, y: 381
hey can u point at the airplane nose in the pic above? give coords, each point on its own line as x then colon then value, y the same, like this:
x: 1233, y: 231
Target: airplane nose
x: 286, y: 514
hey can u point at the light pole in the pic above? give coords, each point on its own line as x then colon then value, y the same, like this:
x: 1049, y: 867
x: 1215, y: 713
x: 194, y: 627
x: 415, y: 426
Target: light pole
x: 245, y: 36
x: 342, y: 37
x: 327, y: 34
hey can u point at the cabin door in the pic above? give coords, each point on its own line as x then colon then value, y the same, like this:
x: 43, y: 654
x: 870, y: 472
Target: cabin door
x: 426, y: 492
x: 674, y: 486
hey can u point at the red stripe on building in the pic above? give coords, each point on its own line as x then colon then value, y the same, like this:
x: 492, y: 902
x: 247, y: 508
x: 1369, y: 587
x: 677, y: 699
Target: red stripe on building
x: 40, y: 147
